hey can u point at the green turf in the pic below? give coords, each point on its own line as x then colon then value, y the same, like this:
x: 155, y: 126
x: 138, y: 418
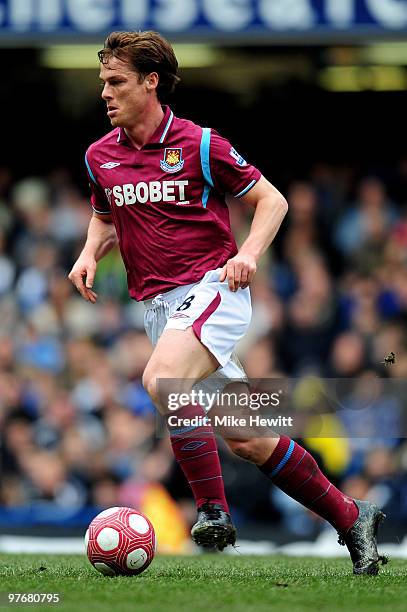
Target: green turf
x: 208, y: 583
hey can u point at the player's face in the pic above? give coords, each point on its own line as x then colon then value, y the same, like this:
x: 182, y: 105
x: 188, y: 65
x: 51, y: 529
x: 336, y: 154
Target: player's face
x: 125, y: 94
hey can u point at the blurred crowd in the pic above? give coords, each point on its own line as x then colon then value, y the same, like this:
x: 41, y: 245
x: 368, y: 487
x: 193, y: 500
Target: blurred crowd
x: 330, y: 301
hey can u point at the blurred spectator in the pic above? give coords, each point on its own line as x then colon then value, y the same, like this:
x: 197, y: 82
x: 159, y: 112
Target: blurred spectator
x: 347, y: 356
x: 365, y: 226
x: 311, y: 317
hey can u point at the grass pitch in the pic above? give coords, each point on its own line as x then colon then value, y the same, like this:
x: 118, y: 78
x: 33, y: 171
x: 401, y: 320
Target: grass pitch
x: 217, y: 583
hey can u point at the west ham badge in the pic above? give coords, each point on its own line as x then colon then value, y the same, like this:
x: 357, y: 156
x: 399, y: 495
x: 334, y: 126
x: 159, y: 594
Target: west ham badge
x: 172, y: 161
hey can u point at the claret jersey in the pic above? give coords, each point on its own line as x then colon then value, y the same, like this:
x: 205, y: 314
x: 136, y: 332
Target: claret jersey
x: 167, y: 201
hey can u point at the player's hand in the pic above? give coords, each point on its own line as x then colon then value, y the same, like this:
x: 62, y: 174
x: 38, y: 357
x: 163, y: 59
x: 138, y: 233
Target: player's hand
x: 239, y: 271
x: 82, y: 276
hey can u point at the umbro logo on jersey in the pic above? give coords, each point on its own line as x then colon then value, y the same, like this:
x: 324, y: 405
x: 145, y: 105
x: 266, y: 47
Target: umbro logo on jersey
x: 110, y: 165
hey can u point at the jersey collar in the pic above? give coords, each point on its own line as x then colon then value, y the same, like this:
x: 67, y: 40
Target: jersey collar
x: 160, y: 133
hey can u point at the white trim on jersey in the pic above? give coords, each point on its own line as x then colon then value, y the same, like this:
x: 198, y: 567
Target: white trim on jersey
x: 101, y: 212
x: 246, y: 189
x: 167, y: 127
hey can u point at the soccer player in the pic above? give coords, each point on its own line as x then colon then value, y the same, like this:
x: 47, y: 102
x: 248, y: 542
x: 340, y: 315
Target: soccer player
x: 158, y: 186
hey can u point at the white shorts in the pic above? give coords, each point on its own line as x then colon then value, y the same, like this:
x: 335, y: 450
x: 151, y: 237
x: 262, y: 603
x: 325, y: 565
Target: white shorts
x: 218, y: 316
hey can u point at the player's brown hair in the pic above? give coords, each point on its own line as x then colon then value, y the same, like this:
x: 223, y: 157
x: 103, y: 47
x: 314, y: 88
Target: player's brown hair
x: 148, y: 52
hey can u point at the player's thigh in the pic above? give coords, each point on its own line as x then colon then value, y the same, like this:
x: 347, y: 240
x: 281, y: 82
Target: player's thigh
x: 180, y: 356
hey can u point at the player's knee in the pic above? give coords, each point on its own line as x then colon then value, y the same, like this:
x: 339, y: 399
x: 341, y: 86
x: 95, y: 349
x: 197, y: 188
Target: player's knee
x: 149, y: 381
x: 256, y: 450
x: 246, y: 449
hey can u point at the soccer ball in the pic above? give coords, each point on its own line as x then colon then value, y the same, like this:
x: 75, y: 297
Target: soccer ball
x: 120, y: 542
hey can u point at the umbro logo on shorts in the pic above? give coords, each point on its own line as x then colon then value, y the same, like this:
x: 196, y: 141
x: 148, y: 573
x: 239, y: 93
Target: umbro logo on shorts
x: 110, y: 165
x: 179, y: 315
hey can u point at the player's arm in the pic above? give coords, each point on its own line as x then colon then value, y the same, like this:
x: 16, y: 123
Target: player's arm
x: 100, y: 240
x: 270, y: 209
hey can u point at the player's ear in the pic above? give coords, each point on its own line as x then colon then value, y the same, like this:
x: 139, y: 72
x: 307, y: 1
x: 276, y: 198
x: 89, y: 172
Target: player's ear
x: 151, y: 81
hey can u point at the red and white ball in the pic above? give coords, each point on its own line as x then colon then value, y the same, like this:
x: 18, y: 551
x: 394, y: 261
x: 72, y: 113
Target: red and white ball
x: 120, y: 542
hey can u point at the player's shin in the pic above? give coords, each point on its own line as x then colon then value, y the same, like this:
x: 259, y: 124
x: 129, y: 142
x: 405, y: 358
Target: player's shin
x: 296, y: 472
x: 196, y: 452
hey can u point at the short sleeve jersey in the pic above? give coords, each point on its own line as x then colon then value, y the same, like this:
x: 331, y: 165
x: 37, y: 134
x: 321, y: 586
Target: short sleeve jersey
x: 167, y: 201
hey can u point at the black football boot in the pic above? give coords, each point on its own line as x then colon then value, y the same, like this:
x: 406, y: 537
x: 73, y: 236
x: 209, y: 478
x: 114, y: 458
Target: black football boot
x: 214, y: 529
x: 361, y: 539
